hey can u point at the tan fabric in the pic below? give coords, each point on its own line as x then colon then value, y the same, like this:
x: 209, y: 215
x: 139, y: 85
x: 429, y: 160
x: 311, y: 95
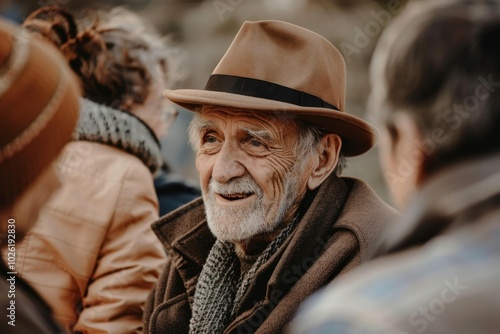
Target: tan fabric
x: 338, y: 231
x: 92, y: 246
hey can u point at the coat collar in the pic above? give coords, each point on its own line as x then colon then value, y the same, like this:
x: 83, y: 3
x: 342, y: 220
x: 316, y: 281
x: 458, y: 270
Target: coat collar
x: 185, y: 231
x: 123, y: 130
x: 449, y: 199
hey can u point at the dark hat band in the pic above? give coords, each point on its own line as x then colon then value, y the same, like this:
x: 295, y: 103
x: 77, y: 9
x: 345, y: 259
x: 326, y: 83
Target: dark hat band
x: 265, y: 90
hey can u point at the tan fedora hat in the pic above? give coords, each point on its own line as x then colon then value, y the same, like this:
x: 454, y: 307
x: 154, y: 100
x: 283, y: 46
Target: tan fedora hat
x: 278, y: 67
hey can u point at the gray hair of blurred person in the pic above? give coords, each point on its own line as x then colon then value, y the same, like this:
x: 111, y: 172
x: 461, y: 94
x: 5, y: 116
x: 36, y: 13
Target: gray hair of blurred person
x: 159, y: 49
x: 444, y: 72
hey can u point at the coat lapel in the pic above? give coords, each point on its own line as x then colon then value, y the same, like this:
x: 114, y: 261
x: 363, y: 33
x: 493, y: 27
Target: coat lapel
x: 187, y: 240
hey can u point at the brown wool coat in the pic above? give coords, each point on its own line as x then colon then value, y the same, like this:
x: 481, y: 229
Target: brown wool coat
x: 337, y: 232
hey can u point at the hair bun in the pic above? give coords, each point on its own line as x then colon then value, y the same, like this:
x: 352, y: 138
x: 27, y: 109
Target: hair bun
x: 85, y: 48
x: 53, y: 23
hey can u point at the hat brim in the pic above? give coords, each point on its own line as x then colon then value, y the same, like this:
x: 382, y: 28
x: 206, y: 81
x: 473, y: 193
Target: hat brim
x: 357, y: 135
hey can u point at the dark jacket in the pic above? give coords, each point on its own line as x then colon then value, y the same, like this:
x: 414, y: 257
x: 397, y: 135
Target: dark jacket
x: 336, y: 233
x: 172, y: 191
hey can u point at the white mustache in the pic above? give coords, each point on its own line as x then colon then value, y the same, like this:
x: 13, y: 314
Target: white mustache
x: 243, y: 185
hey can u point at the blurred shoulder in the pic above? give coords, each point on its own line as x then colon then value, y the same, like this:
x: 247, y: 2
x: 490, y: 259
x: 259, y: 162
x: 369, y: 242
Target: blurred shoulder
x: 414, y: 290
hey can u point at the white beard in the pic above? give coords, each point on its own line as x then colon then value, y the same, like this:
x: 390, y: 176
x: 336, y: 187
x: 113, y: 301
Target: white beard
x: 243, y: 222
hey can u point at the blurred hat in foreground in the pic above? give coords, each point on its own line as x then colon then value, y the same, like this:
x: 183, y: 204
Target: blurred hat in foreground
x: 39, y: 103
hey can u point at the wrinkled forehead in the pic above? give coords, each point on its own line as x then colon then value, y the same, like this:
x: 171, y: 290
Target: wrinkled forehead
x: 247, y: 118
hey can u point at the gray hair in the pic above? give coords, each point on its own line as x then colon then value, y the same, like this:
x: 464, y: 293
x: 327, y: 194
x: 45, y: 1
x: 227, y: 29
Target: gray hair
x: 310, y: 137
x: 443, y: 71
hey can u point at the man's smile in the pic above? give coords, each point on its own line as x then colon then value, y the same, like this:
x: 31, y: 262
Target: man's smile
x: 234, y: 197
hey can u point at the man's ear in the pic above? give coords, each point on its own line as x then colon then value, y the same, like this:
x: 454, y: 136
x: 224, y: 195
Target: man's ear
x: 407, y: 146
x: 326, y: 160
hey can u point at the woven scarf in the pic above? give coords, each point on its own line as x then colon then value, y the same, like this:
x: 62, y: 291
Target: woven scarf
x: 105, y: 125
x: 221, y: 286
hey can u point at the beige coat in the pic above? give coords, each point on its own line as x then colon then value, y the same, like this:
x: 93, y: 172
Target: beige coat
x: 92, y: 255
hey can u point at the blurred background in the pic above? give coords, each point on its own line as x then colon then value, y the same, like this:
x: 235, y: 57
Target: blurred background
x: 204, y: 29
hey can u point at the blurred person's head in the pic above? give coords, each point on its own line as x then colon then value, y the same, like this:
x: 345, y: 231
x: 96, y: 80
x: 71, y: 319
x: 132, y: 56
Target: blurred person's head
x: 269, y: 126
x: 121, y: 61
x: 39, y: 102
x: 435, y: 79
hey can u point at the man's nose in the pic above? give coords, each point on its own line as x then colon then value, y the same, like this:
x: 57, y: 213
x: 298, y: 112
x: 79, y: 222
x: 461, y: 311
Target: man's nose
x: 228, y: 166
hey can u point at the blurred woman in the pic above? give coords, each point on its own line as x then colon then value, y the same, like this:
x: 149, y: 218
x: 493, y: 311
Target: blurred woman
x: 92, y: 255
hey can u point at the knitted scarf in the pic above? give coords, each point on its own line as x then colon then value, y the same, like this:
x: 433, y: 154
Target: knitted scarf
x: 221, y: 286
x: 105, y: 125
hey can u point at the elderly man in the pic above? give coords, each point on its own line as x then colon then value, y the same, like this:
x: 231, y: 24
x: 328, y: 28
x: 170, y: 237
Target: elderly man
x: 276, y: 222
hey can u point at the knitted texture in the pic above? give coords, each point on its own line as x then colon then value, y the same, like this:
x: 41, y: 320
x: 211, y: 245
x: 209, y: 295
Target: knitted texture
x: 221, y: 286
x: 105, y: 125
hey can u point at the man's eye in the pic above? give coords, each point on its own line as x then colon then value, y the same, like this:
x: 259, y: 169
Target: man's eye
x: 209, y: 139
x: 255, y: 143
